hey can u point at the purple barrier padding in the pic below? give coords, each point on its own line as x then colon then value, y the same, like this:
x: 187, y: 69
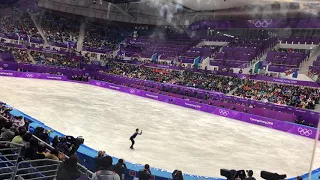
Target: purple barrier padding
x: 249, y: 118
x: 287, y: 81
x: 32, y: 75
x: 28, y: 75
x: 53, y: 77
x: 278, y: 113
x: 165, y: 66
x: 36, y: 40
x: 275, y: 80
x: 227, y: 113
x: 151, y: 95
x: 9, y: 65
x: 191, y: 104
x: 97, y: 50
x: 7, y: 73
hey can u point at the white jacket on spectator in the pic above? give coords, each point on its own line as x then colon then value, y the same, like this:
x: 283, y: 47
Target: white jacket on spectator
x: 105, y: 175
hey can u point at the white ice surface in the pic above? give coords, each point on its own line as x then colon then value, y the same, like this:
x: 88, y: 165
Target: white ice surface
x: 173, y: 137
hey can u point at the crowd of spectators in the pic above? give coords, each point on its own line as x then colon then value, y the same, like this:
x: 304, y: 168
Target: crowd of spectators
x: 296, y: 96
x: 97, y: 37
x: 54, y: 59
x: 186, y: 78
x: 59, y: 29
x: 16, y: 21
x: 15, y: 130
x: 20, y: 55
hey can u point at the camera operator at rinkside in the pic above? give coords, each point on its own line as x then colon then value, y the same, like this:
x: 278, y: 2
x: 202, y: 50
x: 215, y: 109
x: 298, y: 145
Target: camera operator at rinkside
x: 69, y: 145
x: 250, y: 174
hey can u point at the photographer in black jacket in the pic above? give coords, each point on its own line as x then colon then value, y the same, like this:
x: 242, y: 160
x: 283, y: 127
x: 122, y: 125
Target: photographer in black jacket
x: 120, y: 168
x: 145, y: 174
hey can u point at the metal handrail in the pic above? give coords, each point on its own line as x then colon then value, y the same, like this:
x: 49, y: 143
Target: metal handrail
x: 86, y: 172
x: 10, y: 163
x: 36, y: 168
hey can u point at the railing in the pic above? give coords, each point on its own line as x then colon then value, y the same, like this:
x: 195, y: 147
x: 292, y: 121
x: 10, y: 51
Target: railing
x: 37, y: 169
x: 12, y: 170
x: 9, y: 156
x: 82, y: 169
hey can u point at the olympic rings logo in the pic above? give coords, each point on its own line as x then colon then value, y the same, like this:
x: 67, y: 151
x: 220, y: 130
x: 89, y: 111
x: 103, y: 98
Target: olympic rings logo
x: 223, y: 112
x: 305, y: 132
x: 98, y: 83
x: 132, y: 91
x: 29, y: 75
x: 261, y: 23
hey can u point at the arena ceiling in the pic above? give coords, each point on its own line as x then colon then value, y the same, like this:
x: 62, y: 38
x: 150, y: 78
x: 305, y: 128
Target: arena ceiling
x: 183, y: 12
x: 213, y: 5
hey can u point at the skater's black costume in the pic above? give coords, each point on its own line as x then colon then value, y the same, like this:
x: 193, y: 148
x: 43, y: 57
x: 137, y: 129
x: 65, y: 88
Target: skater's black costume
x: 132, y: 138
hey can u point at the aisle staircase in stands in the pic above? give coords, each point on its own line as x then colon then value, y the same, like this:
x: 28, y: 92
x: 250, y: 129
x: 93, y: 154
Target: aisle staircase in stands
x: 38, y: 26
x: 261, y: 58
x: 31, y: 57
x: 81, y: 36
x: 305, y: 66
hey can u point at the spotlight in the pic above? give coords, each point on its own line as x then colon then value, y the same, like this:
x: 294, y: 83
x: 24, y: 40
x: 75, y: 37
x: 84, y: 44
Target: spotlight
x: 272, y: 176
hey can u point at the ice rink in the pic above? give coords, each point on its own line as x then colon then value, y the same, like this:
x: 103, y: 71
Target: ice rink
x: 173, y: 137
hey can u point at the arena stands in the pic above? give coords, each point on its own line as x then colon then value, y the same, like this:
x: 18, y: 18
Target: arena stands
x: 16, y: 23
x: 240, y: 52
x: 167, y: 49
x: 55, y: 59
x: 17, y: 54
x: 100, y: 38
x: 203, y: 51
x: 305, y: 98
x: 283, y: 61
x: 315, y: 68
x: 59, y: 31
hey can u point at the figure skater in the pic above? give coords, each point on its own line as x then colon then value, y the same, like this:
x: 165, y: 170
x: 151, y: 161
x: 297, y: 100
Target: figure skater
x: 134, y: 136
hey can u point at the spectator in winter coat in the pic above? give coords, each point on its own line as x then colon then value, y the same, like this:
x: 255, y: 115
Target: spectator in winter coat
x: 98, y: 161
x: 106, y: 173
x: 68, y: 170
x: 120, y: 168
x: 145, y: 174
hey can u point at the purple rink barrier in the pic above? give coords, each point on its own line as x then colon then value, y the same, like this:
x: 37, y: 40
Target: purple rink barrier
x: 279, y: 112
x: 32, y: 75
x: 276, y: 80
x: 284, y: 126
x: 286, y: 81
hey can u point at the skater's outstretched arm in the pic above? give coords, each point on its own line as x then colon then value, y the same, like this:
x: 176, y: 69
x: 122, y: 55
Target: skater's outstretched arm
x: 140, y: 133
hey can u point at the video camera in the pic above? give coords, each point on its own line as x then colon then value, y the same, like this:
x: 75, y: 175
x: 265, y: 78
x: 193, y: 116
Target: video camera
x: 73, y: 143
x: 272, y: 176
x: 233, y: 174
